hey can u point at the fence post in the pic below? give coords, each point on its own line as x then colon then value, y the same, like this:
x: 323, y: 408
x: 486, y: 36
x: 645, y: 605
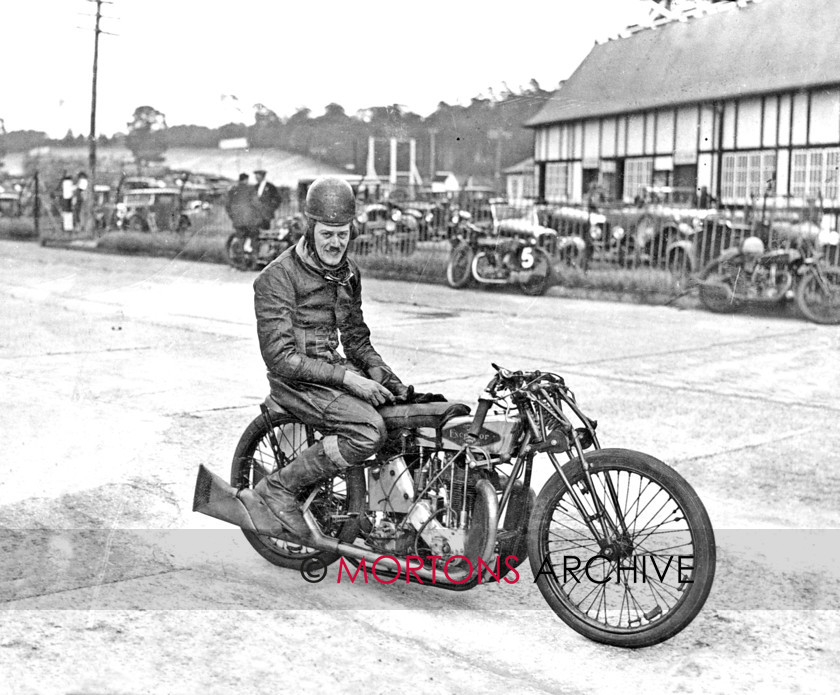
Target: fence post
x: 36, y: 207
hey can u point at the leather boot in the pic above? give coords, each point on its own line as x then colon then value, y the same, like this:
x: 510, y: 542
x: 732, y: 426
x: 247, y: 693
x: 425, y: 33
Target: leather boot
x: 273, y: 503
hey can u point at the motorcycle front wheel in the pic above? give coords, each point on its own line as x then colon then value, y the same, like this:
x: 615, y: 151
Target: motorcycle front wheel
x: 652, y: 572
x: 337, y: 505
x: 459, y: 267
x: 540, y: 275
x: 818, y: 295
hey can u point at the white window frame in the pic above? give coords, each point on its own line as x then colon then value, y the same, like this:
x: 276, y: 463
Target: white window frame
x: 744, y: 175
x: 815, y: 173
x: 638, y: 173
x: 558, y: 181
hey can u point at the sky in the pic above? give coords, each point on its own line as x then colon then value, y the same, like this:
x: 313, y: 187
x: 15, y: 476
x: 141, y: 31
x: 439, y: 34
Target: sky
x: 208, y: 62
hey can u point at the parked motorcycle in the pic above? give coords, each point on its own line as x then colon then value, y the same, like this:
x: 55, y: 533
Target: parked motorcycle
x: 270, y: 244
x: 511, y: 255
x: 750, y: 273
x: 619, y: 543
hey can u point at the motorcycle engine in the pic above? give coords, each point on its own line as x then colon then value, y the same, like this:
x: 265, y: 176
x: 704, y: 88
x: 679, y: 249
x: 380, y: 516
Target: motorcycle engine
x: 771, y: 281
x: 425, y: 502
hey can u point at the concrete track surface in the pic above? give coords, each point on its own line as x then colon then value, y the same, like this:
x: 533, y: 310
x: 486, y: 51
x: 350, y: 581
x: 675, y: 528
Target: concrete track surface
x: 121, y: 375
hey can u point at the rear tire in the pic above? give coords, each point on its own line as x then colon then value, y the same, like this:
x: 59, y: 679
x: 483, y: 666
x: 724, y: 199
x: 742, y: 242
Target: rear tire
x: 236, y: 255
x: 657, y: 525
x: 540, y: 278
x: 717, y: 288
x: 344, y: 494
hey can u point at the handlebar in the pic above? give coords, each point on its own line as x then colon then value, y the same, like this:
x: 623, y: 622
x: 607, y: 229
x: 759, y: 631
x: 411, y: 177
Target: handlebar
x: 512, y: 380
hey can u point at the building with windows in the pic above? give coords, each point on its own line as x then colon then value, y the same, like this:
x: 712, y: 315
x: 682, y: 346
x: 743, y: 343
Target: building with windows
x: 743, y: 102
x: 519, y: 181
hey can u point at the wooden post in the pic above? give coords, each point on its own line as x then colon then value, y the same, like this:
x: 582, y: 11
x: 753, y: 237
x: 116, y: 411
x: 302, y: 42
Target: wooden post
x: 91, y: 192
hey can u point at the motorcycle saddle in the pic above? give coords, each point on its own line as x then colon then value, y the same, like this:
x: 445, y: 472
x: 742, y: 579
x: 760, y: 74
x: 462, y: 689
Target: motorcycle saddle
x: 409, y: 415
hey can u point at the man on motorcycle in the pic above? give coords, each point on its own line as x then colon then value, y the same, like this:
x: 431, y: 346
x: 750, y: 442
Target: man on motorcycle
x: 304, y: 300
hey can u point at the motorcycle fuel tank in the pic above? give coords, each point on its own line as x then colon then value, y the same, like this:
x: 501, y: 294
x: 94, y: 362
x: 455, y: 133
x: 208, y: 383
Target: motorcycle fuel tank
x: 495, y: 437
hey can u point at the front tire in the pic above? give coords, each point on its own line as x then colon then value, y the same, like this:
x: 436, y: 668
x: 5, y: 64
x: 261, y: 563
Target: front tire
x: 658, y: 526
x: 820, y: 301
x: 459, y: 268
x: 336, y: 506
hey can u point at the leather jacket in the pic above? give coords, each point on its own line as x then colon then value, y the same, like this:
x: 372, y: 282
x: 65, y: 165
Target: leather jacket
x: 301, y: 317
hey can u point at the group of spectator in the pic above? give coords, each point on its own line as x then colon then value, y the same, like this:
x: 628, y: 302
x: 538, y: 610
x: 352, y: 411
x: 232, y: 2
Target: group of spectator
x: 252, y: 207
x: 73, y: 193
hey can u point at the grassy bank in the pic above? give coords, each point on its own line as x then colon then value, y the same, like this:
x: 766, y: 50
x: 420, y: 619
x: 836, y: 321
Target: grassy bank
x: 197, y: 247
x: 426, y: 265
x: 17, y: 228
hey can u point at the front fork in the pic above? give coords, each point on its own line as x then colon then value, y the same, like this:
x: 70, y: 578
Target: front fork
x: 607, y: 528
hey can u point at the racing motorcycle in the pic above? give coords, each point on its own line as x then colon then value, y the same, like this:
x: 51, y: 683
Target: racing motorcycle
x: 270, y: 244
x: 620, y: 545
x: 795, y: 271
x: 512, y: 254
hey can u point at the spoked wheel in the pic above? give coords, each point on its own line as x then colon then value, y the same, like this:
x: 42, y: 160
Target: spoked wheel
x: 818, y: 295
x: 653, y: 572
x: 236, y: 255
x: 538, y: 281
x: 336, y: 506
x: 720, y: 284
x: 459, y: 268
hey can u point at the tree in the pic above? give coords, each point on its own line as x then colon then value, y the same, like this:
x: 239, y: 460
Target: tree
x: 267, y: 129
x: 147, y: 135
x: 334, y: 112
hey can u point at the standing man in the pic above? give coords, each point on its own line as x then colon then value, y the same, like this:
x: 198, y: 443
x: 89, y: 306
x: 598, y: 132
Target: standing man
x: 269, y: 198
x: 307, y: 302
x: 67, y: 191
x: 243, y: 208
x: 79, y: 198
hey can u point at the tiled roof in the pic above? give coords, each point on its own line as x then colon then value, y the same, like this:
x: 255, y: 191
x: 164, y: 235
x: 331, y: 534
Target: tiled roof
x: 761, y: 47
x: 526, y: 165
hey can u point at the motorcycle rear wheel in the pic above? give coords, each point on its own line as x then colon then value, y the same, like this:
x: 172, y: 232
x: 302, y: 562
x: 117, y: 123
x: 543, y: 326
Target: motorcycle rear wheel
x: 459, y: 268
x: 343, y: 495
x: 664, y: 521
x: 716, y: 291
x: 818, y: 303
x: 539, y: 280
x: 236, y: 255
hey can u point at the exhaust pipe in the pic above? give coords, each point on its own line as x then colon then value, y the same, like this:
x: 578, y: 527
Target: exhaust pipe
x: 214, y: 497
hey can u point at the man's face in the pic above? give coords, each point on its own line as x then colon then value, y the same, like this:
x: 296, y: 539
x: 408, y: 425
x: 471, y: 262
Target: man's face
x: 331, y: 242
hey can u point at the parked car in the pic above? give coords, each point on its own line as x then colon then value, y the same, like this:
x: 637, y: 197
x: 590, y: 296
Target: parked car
x: 658, y: 230
x: 158, y: 210
x: 575, y: 228
x: 10, y: 204
x: 383, y: 228
x: 431, y: 218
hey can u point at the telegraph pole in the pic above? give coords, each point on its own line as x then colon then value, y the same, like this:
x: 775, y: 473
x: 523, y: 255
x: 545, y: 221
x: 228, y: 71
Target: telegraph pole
x: 91, y: 194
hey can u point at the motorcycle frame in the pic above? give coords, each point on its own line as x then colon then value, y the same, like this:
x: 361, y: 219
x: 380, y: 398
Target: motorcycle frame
x: 533, y: 403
